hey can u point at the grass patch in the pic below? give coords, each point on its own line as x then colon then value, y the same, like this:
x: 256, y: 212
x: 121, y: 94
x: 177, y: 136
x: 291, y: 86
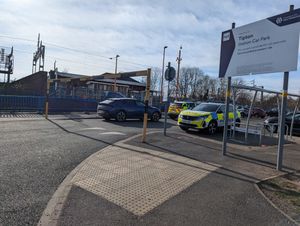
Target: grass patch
x: 284, y: 192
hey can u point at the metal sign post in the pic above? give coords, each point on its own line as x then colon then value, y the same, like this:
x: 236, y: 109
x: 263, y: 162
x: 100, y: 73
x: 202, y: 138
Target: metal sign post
x: 169, y: 76
x: 282, y: 121
x: 166, y: 111
x: 283, y: 115
x: 226, y: 116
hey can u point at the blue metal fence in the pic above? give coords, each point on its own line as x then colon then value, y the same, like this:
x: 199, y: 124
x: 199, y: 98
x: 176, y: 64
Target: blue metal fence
x: 72, y: 104
x: 11, y: 103
x: 22, y: 103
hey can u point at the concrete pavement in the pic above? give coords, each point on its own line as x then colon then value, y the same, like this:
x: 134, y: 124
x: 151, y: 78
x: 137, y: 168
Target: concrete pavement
x: 178, y: 180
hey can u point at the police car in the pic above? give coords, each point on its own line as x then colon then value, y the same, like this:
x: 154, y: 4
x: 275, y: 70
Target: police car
x: 207, y: 116
x: 176, y: 107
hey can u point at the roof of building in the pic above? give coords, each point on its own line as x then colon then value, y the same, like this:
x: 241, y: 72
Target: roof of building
x: 69, y: 75
x: 123, y: 81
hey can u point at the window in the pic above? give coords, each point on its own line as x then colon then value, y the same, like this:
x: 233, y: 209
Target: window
x: 128, y: 103
x: 140, y: 104
x: 206, y: 107
x: 297, y: 117
x: 221, y: 109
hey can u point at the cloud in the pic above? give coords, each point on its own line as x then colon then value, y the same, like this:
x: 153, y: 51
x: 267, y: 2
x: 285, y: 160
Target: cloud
x: 136, y: 30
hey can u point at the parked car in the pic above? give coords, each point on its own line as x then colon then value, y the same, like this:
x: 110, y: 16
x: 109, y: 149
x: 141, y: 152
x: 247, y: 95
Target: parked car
x: 176, y: 107
x: 271, y: 124
x: 126, y: 108
x: 258, y: 112
x: 274, y: 112
x: 209, y: 116
x: 243, y: 110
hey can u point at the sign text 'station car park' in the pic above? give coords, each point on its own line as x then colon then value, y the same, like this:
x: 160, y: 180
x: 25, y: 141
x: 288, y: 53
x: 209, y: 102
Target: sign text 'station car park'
x: 266, y: 46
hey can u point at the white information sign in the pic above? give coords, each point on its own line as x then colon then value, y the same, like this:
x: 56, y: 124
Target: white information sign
x: 266, y: 46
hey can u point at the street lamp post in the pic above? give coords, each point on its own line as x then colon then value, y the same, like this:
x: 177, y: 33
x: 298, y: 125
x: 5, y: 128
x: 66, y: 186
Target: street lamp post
x: 178, y: 70
x: 162, y: 75
x: 116, y: 70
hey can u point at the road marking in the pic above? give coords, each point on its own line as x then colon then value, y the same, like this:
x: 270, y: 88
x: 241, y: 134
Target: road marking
x: 112, y: 133
x: 93, y: 128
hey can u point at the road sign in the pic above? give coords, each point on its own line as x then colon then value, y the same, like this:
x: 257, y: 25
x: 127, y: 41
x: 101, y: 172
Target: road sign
x: 266, y: 46
x: 170, y: 74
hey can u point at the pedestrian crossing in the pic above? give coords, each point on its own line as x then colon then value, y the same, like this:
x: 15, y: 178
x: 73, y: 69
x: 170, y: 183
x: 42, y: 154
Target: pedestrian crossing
x: 20, y: 115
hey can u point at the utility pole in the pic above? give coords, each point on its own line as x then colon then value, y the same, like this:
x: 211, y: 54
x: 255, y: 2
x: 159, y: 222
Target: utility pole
x: 262, y: 95
x: 162, y: 74
x: 178, y: 69
x: 10, y: 64
x: 7, y: 63
x: 55, y: 72
x: 39, y: 56
x: 116, y: 70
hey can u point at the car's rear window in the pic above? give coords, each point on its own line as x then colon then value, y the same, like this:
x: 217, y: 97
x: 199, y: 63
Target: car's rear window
x: 176, y: 105
x: 206, y: 107
x: 180, y: 104
x: 107, y: 102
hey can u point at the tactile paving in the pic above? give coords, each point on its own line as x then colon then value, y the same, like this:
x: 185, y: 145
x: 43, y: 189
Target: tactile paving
x: 139, y: 182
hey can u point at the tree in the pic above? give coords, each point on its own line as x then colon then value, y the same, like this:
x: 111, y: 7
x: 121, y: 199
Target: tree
x: 155, y: 79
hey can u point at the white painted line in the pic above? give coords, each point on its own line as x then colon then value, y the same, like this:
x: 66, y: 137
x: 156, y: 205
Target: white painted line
x: 93, y: 128
x: 112, y: 133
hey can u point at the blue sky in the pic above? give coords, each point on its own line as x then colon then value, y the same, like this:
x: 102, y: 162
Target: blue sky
x: 136, y: 30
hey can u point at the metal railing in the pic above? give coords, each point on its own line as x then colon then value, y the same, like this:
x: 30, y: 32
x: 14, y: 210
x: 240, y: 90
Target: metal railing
x: 11, y: 103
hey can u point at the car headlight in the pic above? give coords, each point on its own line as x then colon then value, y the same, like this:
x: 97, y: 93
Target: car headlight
x: 180, y: 116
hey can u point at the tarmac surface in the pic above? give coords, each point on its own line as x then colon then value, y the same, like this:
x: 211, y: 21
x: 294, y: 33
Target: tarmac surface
x: 38, y: 154
x: 224, y: 195
x: 40, y: 157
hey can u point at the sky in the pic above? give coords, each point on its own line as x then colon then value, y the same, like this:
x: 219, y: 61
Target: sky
x: 82, y: 35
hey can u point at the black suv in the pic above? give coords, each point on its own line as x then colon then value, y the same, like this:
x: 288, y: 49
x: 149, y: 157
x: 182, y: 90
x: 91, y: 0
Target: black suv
x: 126, y: 108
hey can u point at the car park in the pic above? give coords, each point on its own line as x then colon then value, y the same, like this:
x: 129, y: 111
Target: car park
x: 271, y: 124
x: 126, y: 108
x: 206, y: 116
x: 274, y: 112
x: 258, y: 112
x: 176, y: 107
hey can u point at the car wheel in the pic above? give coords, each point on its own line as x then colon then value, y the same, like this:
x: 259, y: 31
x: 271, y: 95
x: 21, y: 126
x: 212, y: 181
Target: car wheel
x: 155, y: 117
x: 121, y: 116
x: 184, y: 128
x: 106, y: 118
x: 212, y: 128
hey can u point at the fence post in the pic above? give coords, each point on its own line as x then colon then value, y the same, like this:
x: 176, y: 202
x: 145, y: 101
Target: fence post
x: 47, y: 99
